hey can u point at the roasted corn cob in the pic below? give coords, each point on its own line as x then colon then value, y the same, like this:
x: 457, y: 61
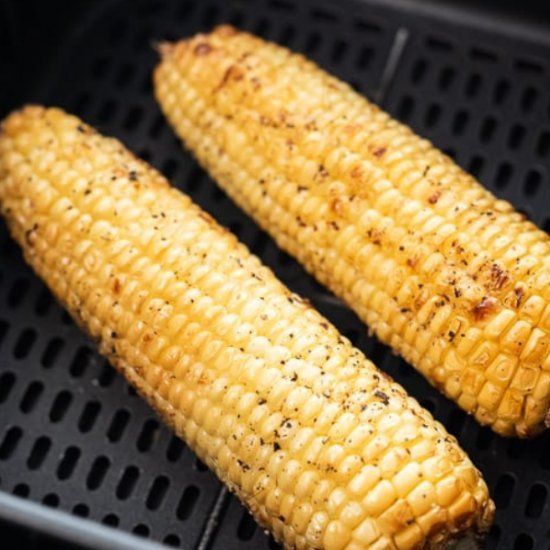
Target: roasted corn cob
x: 325, y: 450
x: 453, y: 279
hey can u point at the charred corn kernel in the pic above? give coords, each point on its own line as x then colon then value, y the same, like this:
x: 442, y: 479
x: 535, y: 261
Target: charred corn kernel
x: 432, y: 262
x: 320, y: 445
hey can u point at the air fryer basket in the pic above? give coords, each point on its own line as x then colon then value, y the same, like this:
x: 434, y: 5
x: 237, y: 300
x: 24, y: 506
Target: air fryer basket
x: 74, y: 436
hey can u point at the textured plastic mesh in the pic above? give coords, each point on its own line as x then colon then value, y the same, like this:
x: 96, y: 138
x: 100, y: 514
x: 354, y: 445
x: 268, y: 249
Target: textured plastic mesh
x: 74, y: 435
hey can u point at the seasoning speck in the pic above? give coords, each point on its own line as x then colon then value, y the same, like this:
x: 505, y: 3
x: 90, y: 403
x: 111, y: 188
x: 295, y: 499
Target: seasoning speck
x: 381, y: 395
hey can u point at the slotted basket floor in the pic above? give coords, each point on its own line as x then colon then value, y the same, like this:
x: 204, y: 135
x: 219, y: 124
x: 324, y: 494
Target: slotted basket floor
x: 74, y: 436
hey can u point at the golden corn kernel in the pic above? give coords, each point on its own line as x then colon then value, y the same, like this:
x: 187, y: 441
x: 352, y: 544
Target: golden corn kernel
x: 367, y: 532
x: 422, y: 497
x: 409, y: 538
x: 501, y: 370
x: 379, y: 498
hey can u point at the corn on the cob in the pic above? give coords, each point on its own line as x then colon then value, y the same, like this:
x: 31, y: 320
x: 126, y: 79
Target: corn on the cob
x: 453, y: 279
x: 325, y: 450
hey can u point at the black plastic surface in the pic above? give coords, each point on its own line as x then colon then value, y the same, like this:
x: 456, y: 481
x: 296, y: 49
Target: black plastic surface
x: 72, y: 434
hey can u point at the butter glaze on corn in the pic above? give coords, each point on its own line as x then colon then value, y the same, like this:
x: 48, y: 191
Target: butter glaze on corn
x: 325, y: 450
x: 455, y: 280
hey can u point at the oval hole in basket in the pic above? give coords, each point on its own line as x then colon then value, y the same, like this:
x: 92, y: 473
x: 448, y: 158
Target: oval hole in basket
x: 4, y: 326
x: 127, y: 482
x: 97, y: 473
x: 419, y: 71
x: 516, y: 136
x: 31, y: 396
x: 118, y: 425
x: 17, y: 292
x: 504, y: 490
x: 533, y: 181
x: 503, y: 175
x: 81, y: 510
x: 141, y: 530
x: 43, y: 302
x: 89, y: 416
x: 313, y: 42
x: 543, y: 144
x: 52, y: 351
x: 405, y: 109
x: 523, y: 542
x: 10, y: 442
x: 51, y: 500
x: 446, y: 78
x: 528, y: 99
x: 39, y: 452
x: 68, y: 462
x: 501, y: 91
x: 60, y: 405
x: 24, y: 343
x: 111, y: 519
x: 246, y: 527
x: 157, y: 493
x: 175, y: 449
x: 488, y: 129
x: 148, y: 434
x: 80, y: 362
x: 460, y: 121
x: 21, y: 490
x: 187, y: 502
x: 107, y: 375
x: 172, y: 540
x: 7, y: 381
x: 536, y: 499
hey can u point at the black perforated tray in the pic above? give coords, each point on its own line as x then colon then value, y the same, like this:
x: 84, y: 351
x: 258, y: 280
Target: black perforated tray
x: 74, y: 436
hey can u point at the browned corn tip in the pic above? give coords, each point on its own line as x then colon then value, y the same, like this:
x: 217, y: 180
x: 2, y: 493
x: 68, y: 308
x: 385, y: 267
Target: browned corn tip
x: 449, y: 276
